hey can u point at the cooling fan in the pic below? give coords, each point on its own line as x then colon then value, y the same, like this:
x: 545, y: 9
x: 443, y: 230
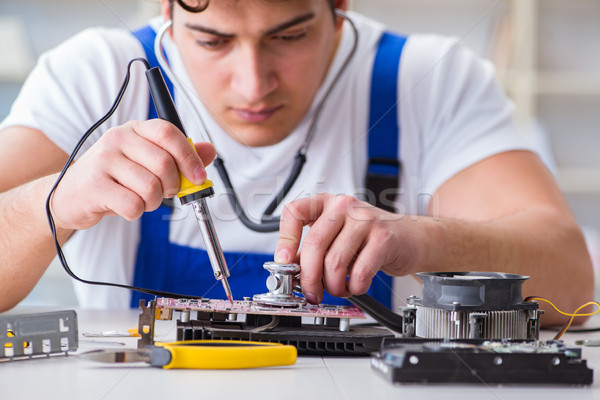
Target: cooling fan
x: 473, y: 305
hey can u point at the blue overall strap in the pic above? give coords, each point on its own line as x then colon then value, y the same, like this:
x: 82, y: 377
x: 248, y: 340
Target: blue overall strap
x: 384, y: 168
x: 146, y: 37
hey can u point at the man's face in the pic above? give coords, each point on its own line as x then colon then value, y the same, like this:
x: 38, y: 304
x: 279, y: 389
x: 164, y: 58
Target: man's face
x: 257, y: 64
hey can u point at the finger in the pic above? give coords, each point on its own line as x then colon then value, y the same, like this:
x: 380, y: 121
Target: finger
x: 341, y: 256
x: 294, y: 217
x: 367, y: 264
x: 314, y: 248
x: 315, y: 245
x: 167, y: 136
x: 123, y: 202
x: 206, y: 151
x: 154, y: 159
x: 137, y: 179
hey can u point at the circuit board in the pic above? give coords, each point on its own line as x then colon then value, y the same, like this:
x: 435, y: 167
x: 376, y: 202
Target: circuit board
x: 481, y: 362
x: 252, y: 307
x: 211, y: 319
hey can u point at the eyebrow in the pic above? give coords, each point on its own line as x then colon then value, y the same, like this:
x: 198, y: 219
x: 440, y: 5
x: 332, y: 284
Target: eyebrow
x: 296, y: 21
x: 278, y: 28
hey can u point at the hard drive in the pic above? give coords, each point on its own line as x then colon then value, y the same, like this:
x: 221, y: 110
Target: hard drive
x: 477, y: 361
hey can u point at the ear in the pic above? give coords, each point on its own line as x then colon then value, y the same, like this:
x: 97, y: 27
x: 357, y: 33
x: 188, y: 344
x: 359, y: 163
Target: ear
x: 341, y: 5
x: 165, y: 9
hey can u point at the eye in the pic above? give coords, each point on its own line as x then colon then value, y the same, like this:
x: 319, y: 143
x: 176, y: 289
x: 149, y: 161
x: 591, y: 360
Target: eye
x: 290, y: 37
x: 213, y: 44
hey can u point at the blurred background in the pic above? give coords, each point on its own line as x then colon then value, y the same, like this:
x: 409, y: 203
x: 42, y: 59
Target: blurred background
x: 547, y: 55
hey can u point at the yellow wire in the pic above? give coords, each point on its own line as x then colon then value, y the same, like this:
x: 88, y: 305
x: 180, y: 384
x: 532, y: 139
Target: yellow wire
x: 573, y: 315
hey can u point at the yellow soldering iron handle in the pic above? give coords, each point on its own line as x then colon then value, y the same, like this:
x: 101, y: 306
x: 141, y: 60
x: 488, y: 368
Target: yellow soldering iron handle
x: 186, y: 187
x: 165, y: 109
x: 227, y: 354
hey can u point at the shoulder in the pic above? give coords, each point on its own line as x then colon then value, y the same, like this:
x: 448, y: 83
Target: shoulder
x: 95, y: 59
x: 421, y: 49
x: 95, y: 48
x: 424, y: 56
x: 75, y: 83
x: 440, y: 54
x: 369, y: 33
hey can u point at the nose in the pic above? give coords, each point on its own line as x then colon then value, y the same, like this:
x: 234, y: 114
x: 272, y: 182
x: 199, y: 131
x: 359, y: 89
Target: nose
x: 254, y: 75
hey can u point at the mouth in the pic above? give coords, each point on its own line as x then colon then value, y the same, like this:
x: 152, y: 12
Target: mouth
x: 254, y: 115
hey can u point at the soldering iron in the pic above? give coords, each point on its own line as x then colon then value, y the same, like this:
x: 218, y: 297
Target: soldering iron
x: 190, y: 193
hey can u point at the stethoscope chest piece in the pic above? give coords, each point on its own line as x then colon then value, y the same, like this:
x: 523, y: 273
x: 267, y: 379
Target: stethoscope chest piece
x: 282, y: 282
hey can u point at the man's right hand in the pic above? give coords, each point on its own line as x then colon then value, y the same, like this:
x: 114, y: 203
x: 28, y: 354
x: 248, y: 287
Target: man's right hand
x: 127, y: 172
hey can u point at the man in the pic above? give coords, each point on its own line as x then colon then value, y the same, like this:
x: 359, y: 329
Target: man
x: 260, y: 68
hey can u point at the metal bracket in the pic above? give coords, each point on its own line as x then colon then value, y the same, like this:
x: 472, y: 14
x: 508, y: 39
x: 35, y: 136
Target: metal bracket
x: 533, y: 324
x: 146, y: 323
x: 409, y: 315
x: 38, y: 335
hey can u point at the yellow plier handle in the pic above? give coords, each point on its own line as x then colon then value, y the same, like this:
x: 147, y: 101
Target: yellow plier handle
x: 222, y: 354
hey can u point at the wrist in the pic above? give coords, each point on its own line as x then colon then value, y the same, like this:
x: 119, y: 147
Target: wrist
x: 416, y: 247
x: 430, y: 238
x: 41, y: 190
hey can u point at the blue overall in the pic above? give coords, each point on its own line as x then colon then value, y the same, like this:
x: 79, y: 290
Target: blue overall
x: 162, y: 265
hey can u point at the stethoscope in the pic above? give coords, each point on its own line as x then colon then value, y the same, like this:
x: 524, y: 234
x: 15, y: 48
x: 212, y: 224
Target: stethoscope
x: 268, y: 222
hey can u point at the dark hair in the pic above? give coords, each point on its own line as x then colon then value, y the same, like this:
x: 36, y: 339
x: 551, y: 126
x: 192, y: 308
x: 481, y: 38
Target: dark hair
x: 191, y: 5
x: 196, y: 6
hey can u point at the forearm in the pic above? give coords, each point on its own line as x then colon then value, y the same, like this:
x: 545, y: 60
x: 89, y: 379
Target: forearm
x: 538, y: 242
x: 26, y: 246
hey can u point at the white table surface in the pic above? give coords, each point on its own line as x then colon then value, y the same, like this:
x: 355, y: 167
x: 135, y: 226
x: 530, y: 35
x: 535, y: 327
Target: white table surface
x: 310, y: 378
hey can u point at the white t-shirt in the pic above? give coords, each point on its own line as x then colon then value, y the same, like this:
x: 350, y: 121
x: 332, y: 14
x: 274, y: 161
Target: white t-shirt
x: 452, y: 114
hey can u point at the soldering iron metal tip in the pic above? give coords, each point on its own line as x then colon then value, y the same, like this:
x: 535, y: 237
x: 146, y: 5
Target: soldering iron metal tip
x: 227, y: 290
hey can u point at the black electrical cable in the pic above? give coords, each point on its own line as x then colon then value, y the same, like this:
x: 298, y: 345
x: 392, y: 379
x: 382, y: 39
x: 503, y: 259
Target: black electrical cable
x: 584, y: 330
x: 580, y: 330
x: 85, y: 136
x: 379, y: 312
